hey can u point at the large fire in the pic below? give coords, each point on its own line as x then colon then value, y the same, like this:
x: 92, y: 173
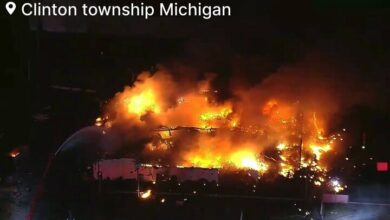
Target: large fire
x: 141, y: 103
x: 247, y: 159
x: 262, y: 133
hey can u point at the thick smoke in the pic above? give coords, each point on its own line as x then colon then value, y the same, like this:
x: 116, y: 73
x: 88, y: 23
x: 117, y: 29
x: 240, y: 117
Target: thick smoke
x: 177, y: 116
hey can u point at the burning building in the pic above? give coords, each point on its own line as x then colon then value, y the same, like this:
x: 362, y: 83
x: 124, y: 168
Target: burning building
x: 181, y: 123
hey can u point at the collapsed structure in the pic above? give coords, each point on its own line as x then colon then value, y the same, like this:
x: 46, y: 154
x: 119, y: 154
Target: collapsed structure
x: 182, y: 123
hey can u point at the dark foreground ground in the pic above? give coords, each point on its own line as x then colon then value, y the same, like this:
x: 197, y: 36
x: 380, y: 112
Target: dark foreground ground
x: 128, y: 206
x: 82, y: 200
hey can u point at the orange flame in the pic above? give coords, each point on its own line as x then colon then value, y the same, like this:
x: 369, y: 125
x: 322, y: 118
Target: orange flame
x: 244, y: 132
x: 142, y: 103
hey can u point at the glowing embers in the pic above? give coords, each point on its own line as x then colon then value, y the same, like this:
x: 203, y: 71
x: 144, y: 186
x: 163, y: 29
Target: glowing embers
x: 336, y: 185
x: 289, y: 159
x: 281, y: 146
x: 98, y: 122
x: 286, y: 170
x: 318, y: 150
x: 103, y: 121
x: 315, y: 173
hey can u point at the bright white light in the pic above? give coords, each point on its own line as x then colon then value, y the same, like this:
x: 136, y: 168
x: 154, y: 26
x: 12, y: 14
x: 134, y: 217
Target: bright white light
x: 336, y: 185
x: 146, y: 195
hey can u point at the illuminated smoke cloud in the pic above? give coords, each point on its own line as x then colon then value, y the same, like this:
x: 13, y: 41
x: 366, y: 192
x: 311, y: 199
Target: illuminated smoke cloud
x: 282, y: 123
